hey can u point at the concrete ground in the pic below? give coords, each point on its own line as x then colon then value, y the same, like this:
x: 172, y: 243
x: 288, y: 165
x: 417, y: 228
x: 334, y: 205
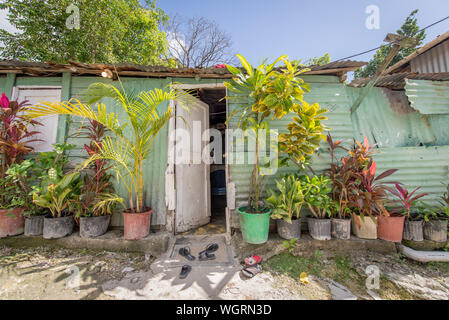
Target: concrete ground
x: 51, y: 273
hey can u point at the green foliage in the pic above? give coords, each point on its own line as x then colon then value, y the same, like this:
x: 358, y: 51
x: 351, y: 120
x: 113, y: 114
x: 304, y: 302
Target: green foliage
x: 111, y: 31
x: 304, y: 135
x: 290, y: 244
x: 316, y: 192
x: 410, y: 28
x: 428, y: 212
x: 126, y: 152
x: 271, y: 93
x: 60, y: 196
x: 287, y: 200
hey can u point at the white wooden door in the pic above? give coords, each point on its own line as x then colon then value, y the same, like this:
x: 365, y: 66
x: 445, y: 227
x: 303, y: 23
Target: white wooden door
x: 49, y: 127
x: 191, y: 173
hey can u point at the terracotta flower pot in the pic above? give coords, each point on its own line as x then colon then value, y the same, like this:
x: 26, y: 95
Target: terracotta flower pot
x: 367, y: 228
x: 12, y: 222
x: 390, y: 228
x: 136, y: 225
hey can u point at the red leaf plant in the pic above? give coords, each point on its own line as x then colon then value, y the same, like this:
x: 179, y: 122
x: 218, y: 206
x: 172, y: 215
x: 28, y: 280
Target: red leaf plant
x: 406, y: 198
x: 16, y: 132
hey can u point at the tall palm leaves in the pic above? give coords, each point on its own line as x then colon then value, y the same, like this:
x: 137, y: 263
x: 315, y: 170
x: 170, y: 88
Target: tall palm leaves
x: 128, y: 151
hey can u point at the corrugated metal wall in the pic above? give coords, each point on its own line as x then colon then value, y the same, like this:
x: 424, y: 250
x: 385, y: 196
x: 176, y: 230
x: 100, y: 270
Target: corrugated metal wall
x: 433, y: 61
x: 428, y: 97
x: 406, y: 138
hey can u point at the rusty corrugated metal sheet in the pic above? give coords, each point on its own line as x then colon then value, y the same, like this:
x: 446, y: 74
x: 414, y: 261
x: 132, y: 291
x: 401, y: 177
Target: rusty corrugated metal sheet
x: 428, y: 97
x: 396, y: 81
x: 434, y: 60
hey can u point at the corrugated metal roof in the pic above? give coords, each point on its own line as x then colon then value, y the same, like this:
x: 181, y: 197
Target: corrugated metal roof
x: 403, y: 65
x: 428, y: 97
x: 397, y: 81
x: 129, y: 69
x: 433, y: 61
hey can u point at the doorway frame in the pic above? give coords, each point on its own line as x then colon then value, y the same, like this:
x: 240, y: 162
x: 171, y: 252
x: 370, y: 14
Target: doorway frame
x: 170, y: 173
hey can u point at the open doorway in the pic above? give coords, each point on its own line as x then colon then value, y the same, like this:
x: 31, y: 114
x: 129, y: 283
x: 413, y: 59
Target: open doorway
x: 190, y: 215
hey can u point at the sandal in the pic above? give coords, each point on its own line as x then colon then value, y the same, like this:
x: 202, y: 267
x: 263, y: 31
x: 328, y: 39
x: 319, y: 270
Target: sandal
x: 253, y: 260
x: 252, y: 271
x: 206, y: 256
x: 185, y: 252
x: 212, y: 247
x: 185, y: 270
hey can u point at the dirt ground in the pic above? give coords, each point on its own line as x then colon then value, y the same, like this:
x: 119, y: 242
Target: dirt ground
x: 44, y: 273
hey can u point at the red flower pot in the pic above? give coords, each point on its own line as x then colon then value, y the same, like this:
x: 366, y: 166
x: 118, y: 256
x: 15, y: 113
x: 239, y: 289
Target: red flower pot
x: 12, y: 223
x: 390, y: 228
x: 136, y: 225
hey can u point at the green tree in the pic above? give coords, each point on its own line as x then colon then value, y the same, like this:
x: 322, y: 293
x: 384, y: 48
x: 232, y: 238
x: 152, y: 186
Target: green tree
x: 110, y: 31
x: 316, y: 61
x: 410, y: 28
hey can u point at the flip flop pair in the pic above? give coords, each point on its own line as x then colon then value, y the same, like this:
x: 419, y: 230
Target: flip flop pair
x: 250, y: 272
x: 252, y: 261
x: 204, y: 255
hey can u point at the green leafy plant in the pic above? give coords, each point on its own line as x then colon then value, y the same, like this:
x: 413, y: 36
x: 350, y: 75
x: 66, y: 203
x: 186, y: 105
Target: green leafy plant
x: 407, y: 199
x: 290, y: 244
x: 287, y: 200
x: 127, y: 152
x: 316, y: 192
x: 59, y: 197
x: 271, y: 93
x: 97, y: 194
x: 428, y: 212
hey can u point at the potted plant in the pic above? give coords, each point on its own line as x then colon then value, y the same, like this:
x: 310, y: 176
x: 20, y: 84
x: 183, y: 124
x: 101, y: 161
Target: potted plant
x: 286, y: 203
x: 21, y: 178
x: 57, y: 191
x: 413, y: 227
x: 98, y: 200
x: 435, y: 222
x: 15, y: 137
x: 316, y: 195
x: 126, y: 150
x: 344, y: 188
x: 270, y: 93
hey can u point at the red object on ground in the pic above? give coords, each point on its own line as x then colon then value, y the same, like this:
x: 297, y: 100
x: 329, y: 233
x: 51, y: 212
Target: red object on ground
x: 137, y: 225
x: 253, y: 260
x: 12, y: 223
x: 390, y: 228
x: 220, y: 66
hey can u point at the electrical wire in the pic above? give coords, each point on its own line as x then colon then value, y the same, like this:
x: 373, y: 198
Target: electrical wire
x: 390, y: 44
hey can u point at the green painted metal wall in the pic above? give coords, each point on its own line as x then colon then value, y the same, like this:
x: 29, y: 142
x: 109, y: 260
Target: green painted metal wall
x: 415, y: 144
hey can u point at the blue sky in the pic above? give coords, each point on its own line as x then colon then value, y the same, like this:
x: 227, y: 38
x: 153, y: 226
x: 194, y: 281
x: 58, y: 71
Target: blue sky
x: 304, y: 29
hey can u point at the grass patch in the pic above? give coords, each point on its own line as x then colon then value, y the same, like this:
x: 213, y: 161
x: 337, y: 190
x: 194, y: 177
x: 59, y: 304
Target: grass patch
x: 287, y: 263
x: 440, y: 266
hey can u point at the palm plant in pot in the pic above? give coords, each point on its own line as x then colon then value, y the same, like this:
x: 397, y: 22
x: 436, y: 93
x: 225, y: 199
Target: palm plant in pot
x: 127, y: 150
x: 270, y: 93
x: 98, y: 199
x: 316, y: 192
x: 413, y: 227
x: 58, y: 191
x: 286, y: 203
x: 16, y: 134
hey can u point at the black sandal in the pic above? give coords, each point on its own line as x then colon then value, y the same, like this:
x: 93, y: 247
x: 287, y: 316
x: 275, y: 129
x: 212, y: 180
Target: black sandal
x: 210, y: 248
x: 185, y: 252
x: 206, y: 256
x: 185, y: 270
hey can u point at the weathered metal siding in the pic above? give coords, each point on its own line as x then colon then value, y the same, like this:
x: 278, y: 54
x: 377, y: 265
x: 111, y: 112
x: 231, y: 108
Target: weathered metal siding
x: 330, y: 94
x: 428, y: 97
x: 435, y: 60
x: 401, y: 133
x: 155, y: 166
x: 378, y: 119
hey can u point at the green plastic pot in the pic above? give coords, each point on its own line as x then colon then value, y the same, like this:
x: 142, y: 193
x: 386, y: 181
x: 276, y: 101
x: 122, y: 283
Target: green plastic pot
x: 254, y: 226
